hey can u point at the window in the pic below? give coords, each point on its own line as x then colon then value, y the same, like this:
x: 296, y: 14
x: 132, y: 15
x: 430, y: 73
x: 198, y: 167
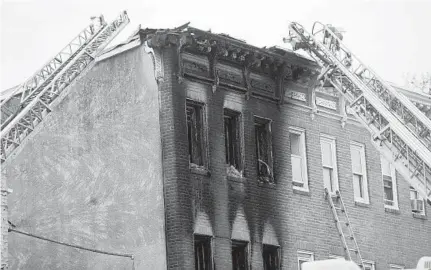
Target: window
x: 369, y: 265
x: 298, y: 158
x: 195, y: 132
x: 304, y: 256
x: 360, y: 185
x: 329, y: 163
x: 332, y: 256
x: 417, y: 202
x: 232, y: 139
x: 239, y: 255
x: 203, y: 254
x: 389, y: 184
x: 271, y: 257
x: 263, y: 149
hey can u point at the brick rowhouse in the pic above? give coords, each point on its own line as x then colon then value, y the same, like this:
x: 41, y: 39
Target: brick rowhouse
x: 176, y: 147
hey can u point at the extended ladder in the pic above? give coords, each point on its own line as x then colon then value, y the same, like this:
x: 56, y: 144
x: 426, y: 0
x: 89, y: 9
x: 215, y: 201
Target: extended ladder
x: 400, y: 131
x: 344, y: 227
x: 45, y: 86
x: 45, y: 75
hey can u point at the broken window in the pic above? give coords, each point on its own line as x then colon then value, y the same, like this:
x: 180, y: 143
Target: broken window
x: 271, y: 257
x: 203, y: 254
x: 263, y: 149
x: 239, y: 255
x: 195, y: 132
x: 232, y: 138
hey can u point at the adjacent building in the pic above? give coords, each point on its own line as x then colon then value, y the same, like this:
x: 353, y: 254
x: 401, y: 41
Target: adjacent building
x: 195, y: 150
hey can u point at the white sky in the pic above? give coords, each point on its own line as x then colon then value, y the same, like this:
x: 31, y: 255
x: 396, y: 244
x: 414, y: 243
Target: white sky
x: 392, y: 37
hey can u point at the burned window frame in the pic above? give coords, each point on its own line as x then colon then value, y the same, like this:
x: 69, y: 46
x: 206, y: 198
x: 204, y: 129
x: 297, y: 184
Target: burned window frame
x: 244, y: 245
x: 237, y: 143
x: 264, y: 168
x: 199, y: 144
x: 272, y: 248
x: 206, y: 240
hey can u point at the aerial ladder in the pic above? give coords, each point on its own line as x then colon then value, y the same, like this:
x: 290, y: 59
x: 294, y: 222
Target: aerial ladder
x: 37, y: 94
x: 399, y: 130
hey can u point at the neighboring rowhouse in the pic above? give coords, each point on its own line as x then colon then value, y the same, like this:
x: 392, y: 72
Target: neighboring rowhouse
x: 192, y: 150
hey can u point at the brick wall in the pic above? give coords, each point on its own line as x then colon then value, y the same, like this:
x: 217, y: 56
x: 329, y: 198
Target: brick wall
x: 298, y: 220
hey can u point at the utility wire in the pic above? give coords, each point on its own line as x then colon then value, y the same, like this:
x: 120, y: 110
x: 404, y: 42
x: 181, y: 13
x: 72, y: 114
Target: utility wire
x: 76, y: 246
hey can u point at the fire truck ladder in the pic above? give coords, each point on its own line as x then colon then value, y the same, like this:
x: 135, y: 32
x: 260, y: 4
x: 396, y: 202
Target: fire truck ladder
x: 344, y: 227
x: 38, y: 92
x: 400, y: 131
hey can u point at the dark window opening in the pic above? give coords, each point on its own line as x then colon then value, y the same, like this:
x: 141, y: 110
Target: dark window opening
x: 232, y: 139
x: 239, y: 255
x: 203, y: 254
x: 195, y: 132
x: 271, y: 257
x: 263, y: 149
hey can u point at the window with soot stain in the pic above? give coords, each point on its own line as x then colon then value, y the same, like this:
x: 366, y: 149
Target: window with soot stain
x: 239, y: 255
x: 263, y: 149
x: 195, y: 132
x: 232, y: 139
x: 203, y: 253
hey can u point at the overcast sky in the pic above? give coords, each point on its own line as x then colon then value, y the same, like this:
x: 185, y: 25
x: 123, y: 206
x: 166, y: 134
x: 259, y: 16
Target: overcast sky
x: 392, y: 37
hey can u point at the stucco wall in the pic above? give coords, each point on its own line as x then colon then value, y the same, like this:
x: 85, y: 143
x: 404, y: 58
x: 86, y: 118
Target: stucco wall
x: 92, y: 176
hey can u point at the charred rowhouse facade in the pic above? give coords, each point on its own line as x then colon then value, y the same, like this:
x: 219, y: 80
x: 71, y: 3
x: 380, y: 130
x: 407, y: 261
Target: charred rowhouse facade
x: 195, y: 150
x: 221, y: 113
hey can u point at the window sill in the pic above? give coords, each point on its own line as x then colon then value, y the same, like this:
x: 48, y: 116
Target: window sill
x: 362, y: 204
x: 419, y: 216
x: 392, y: 210
x: 201, y: 170
x: 267, y: 184
x: 234, y: 178
x: 301, y: 191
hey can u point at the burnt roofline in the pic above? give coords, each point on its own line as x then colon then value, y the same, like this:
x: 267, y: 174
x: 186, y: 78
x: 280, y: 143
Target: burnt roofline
x: 194, y: 38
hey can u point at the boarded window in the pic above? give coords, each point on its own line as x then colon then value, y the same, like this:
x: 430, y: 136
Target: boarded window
x: 271, y: 257
x: 263, y: 149
x: 232, y: 138
x: 195, y: 132
x: 239, y: 255
x: 203, y: 254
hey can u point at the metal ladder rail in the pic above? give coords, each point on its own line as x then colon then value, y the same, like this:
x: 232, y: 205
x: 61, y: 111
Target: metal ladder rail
x: 39, y: 107
x: 341, y: 232
x: 407, y: 151
x: 397, y: 103
x: 55, y: 64
x: 410, y: 163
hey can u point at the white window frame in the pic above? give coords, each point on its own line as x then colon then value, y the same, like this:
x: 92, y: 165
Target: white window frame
x: 297, y: 184
x: 331, y: 140
x: 394, y: 183
x: 333, y: 256
x: 361, y: 148
x: 370, y: 264
x: 304, y: 256
x: 419, y: 197
x: 395, y: 267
